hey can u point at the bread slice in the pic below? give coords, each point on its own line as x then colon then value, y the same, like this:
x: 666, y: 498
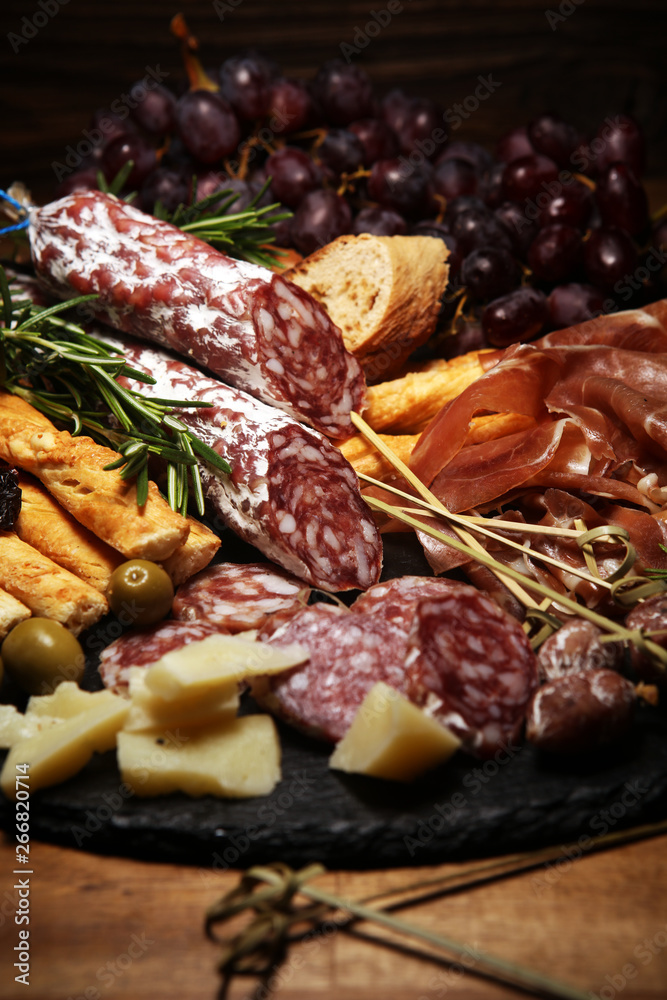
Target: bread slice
x: 383, y: 292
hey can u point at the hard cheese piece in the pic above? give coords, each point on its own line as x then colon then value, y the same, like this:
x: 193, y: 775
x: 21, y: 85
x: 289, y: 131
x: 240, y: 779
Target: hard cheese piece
x: 15, y: 726
x: 66, y: 701
x: 149, y: 711
x: 392, y: 738
x: 59, y: 752
x: 215, y: 663
x: 240, y: 759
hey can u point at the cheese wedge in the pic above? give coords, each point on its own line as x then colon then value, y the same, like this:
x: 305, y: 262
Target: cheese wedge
x: 240, y: 759
x: 15, y: 726
x: 148, y: 711
x: 58, y: 753
x: 392, y: 738
x: 217, y: 663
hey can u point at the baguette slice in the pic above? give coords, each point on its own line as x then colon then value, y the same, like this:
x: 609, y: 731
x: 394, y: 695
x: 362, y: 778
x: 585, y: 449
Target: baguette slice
x: 48, y: 590
x: 72, y: 469
x: 382, y: 291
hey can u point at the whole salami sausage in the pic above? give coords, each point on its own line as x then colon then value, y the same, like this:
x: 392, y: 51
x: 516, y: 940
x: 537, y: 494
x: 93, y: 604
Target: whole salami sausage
x: 474, y: 666
x: 239, y: 596
x: 649, y: 616
x: 253, y: 328
x: 575, y: 647
x: 143, y: 646
x: 579, y: 712
x: 291, y: 493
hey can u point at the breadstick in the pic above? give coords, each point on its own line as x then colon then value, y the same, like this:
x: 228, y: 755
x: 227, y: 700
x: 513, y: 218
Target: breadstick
x: 72, y: 469
x: 45, y: 525
x: 196, y: 552
x: 406, y: 405
x: 48, y: 590
x: 12, y: 611
x: 363, y: 457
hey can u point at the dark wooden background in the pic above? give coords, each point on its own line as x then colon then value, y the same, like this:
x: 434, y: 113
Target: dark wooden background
x: 603, y: 56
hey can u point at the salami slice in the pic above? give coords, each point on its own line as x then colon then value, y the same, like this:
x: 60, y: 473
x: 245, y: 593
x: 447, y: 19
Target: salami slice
x: 239, y: 597
x: 291, y: 493
x: 251, y: 327
x: 143, y: 646
x: 474, y: 667
x: 348, y: 654
x: 396, y: 600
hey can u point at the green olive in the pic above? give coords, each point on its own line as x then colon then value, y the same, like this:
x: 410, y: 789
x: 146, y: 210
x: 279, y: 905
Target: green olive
x: 40, y: 653
x: 140, y: 592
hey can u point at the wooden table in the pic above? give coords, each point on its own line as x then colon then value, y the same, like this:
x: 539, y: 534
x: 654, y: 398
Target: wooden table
x: 122, y: 928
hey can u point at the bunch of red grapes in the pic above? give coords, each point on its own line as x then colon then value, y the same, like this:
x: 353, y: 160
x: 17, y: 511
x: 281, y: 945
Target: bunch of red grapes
x: 552, y: 231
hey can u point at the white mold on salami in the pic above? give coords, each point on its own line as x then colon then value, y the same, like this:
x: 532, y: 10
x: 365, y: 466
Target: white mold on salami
x: 249, y: 326
x: 239, y: 597
x: 291, y: 493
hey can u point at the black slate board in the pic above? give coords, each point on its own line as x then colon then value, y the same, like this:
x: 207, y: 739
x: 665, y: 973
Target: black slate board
x: 467, y: 808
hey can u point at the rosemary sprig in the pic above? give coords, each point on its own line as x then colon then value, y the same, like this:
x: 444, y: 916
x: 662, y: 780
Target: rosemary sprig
x: 52, y: 363
x: 247, y: 234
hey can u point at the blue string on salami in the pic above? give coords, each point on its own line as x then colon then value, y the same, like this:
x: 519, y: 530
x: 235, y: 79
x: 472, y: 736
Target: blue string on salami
x: 23, y: 223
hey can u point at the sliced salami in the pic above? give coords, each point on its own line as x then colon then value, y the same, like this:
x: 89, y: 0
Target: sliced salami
x: 474, y: 667
x: 396, y: 600
x: 348, y: 654
x: 143, y: 646
x: 579, y: 712
x: 239, y: 597
x: 291, y: 493
x: 251, y: 327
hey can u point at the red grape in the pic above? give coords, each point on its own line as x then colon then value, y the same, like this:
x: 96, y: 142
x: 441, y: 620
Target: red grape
x: 81, y: 180
x: 609, y: 256
x: 124, y: 148
x: 476, y: 228
x: 344, y: 91
x: 341, y: 151
x: 518, y: 316
x: 521, y: 230
x: 554, y: 138
x: 621, y: 141
x: 621, y: 199
x: 416, y: 133
x: 528, y: 176
x: 290, y: 105
x: 574, y: 303
x: 321, y: 217
x: 399, y: 186
x: 245, y: 82
x: 470, y: 152
x: 379, y: 142
x: 168, y: 187
x: 489, y: 272
x: 453, y: 178
x: 573, y: 206
x: 207, y: 125
x: 293, y: 175
x: 380, y: 222
x: 555, y: 252
x: 395, y: 109
x: 514, y: 145
x: 156, y: 111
